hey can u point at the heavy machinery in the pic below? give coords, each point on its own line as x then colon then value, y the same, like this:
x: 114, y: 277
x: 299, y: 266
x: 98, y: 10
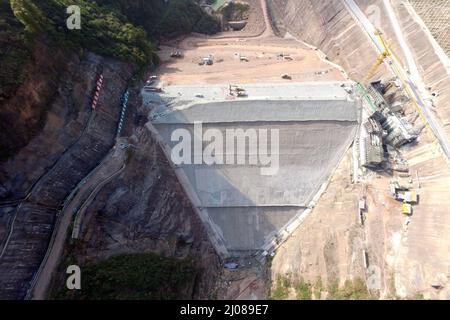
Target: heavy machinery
x: 237, y: 91
x: 283, y: 56
x: 286, y: 77
x: 206, y: 61
x: 243, y: 59
x: 407, y: 209
x: 176, y: 54
x: 152, y: 89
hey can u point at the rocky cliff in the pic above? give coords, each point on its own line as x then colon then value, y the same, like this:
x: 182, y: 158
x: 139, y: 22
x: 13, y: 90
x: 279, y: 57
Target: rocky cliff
x: 328, y: 26
x: 144, y: 209
x: 51, y: 139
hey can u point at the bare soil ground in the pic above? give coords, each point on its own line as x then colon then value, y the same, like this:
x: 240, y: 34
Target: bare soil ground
x: 413, y: 252
x: 263, y: 65
x: 328, y: 244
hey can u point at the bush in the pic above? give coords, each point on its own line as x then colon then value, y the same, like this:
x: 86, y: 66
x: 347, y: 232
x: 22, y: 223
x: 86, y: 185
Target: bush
x: 303, y: 290
x: 352, y: 290
x: 133, y: 276
x: 208, y: 25
x: 235, y: 11
x: 184, y: 16
x: 281, y: 291
x: 13, y: 52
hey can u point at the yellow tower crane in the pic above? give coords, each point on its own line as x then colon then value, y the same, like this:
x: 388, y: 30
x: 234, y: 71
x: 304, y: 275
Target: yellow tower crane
x: 386, y: 53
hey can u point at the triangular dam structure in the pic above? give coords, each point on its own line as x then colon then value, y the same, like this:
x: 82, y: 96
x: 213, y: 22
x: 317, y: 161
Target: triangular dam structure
x: 248, y: 207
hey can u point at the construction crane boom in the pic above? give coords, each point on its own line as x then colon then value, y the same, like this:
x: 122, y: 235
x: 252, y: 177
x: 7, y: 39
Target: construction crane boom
x: 386, y: 53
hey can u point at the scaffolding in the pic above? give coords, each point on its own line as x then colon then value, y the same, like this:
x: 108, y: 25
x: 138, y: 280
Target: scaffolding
x: 436, y: 15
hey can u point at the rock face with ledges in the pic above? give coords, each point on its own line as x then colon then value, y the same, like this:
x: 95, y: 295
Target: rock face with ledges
x: 145, y: 209
x: 32, y: 227
x: 328, y: 25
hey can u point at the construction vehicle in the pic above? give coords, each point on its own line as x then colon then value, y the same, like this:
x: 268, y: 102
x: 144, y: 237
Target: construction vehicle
x: 286, y: 77
x: 151, y: 80
x: 407, y: 209
x: 243, y: 59
x: 153, y: 89
x: 176, y: 54
x: 407, y: 196
x: 206, y: 61
x: 237, y: 91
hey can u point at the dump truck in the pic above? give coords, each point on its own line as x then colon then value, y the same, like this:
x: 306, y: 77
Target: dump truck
x: 407, y: 209
x: 176, y: 54
x: 407, y: 196
x: 206, y: 61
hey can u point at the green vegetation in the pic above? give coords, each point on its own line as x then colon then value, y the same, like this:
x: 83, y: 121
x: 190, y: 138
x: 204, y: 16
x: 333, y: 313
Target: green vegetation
x: 284, y: 284
x: 13, y: 52
x: 318, y: 287
x: 303, y: 290
x: 281, y: 291
x: 419, y: 296
x: 103, y: 30
x: 117, y: 28
x: 133, y: 276
x: 165, y: 20
x: 352, y: 290
x: 123, y: 29
x: 185, y: 16
x: 235, y: 11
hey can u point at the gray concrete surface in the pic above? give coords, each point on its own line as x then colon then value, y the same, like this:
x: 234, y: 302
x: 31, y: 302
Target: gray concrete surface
x: 263, y: 110
x: 247, y: 209
x: 307, y: 153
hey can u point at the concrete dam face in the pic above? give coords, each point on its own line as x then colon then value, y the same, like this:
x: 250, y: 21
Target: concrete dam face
x: 262, y: 159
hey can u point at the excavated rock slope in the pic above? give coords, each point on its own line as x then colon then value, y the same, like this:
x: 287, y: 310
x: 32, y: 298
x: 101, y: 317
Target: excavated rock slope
x: 73, y: 142
x: 144, y: 209
x: 329, y: 26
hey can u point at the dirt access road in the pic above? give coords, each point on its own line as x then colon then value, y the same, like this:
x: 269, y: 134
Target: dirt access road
x: 82, y: 196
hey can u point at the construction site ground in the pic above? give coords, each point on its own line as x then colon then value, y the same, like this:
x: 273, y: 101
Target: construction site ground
x: 263, y: 65
x: 410, y: 252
